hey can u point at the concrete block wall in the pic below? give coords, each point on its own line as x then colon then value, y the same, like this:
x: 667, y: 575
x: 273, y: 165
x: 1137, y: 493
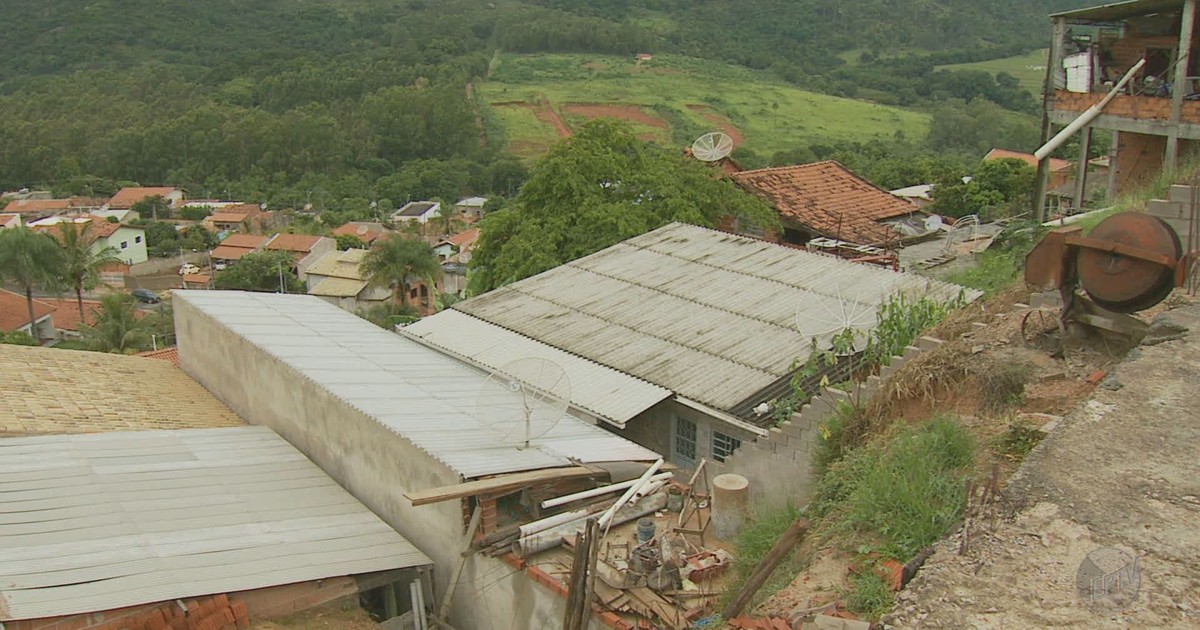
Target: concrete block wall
x: 779, y: 466
x: 1176, y: 210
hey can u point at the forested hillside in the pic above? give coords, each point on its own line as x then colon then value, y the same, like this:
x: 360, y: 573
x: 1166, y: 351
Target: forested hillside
x: 340, y: 102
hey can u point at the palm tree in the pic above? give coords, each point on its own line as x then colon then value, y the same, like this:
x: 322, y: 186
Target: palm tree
x: 29, y: 259
x: 117, y: 328
x: 394, y: 260
x: 82, y: 263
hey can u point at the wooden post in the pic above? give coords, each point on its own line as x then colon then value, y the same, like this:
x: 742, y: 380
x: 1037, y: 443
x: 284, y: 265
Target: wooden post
x: 1053, y: 69
x: 444, y: 609
x: 1179, y: 87
x: 1113, y: 154
x: 575, y: 585
x: 589, y: 592
x: 1081, y: 169
x: 766, y: 567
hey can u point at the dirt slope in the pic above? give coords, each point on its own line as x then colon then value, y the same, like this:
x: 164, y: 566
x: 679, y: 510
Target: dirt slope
x: 1120, y: 472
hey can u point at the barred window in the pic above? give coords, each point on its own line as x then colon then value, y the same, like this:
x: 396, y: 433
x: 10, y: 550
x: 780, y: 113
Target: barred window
x: 723, y: 445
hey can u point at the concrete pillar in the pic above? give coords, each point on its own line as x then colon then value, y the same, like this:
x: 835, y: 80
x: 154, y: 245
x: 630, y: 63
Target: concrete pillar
x: 1085, y: 148
x: 1180, y: 88
x: 1053, y: 70
x: 731, y: 499
x: 1113, y: 154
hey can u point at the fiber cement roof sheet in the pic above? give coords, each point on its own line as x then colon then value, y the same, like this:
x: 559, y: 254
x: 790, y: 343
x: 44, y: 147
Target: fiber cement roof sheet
x: 438, y: 403
x: 711, y: 316
x: 102, y: 521
x: 610, y: 394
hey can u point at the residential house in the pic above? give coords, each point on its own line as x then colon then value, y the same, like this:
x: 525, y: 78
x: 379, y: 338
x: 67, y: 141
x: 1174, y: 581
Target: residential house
x: 823, y: 199
x: 1154, y: 120
x: 1061, y: 182
x: 234, y: 247
x: 245, y: 217
x: 235, y: 523
x: 304, y: 248
x: 388, y: 417
x: 457, y: 248
x: 14, y: 316
x: 129, y: 242
x: 127, y: 197
x: 470, y: 209
x: 197, y: 281
x: 697, y: 329
x: 419, y: 211
x: 33, y: 209
x: 119, y: 215
x: 10, y: 220
x: 365, y: 231
x: 337, y: 278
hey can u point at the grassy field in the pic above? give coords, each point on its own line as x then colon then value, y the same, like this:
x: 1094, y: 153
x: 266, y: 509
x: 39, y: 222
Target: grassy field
x: 1029, y: 69
x: 673, y: 99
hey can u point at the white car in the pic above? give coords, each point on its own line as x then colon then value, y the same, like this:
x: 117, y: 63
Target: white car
x: 188, y: 268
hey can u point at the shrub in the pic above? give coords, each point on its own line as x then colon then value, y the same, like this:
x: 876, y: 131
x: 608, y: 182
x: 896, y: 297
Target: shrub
x: 869, y: 595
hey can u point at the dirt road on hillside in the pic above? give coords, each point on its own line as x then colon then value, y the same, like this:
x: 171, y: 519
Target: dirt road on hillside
x: 1114, y: 489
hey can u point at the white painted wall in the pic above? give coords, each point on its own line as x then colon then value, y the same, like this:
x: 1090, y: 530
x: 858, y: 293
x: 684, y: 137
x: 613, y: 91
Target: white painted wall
x: 135, y: 239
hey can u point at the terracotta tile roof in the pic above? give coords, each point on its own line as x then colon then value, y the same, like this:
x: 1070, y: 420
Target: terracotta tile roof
x: 228, y: 217
x: 196, y: 278
x: 1056, y: 164
x: 37, y: 206
x: 7, y: 219
x: 827, y: 198
x: 225, y: 252
x: 464, y: 239
x: 46, y: 390
x: 166, y: 354
x: 14, y: 311
x: 293, y: 242
x: 66, y: 312
x: 126, y: 197
x: 97, y: 227
x: 251, y: 241
x: 366, y: 232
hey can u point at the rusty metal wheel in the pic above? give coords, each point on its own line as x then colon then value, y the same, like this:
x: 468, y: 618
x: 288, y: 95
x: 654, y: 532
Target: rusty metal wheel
x: 1043, y: 329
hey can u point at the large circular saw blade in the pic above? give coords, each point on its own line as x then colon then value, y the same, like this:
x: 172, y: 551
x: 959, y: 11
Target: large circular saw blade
x: 1122, y: 283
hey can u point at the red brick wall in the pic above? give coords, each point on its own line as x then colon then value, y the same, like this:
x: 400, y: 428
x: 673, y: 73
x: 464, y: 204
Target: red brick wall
x: 216, y: 612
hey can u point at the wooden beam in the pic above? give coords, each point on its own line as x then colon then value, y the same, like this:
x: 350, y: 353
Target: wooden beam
x: 1179, y: 88
x: 1053, y: 69
x: 1081, y: 169
x: 498, y: 484
x: 766, y: 567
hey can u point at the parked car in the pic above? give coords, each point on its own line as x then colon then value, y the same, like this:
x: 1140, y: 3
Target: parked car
x: 146, y: 296
x: 188, y: 268
x: 219, y: 266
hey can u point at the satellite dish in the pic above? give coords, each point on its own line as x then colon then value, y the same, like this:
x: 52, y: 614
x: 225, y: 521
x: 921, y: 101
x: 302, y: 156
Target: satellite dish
x: 523, y: 400
x: 832, y: 320
x: 712, y: 146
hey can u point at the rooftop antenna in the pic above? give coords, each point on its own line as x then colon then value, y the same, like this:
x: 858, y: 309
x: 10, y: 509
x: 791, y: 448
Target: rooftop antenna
x: 712, y: 147
x: 523, y: 400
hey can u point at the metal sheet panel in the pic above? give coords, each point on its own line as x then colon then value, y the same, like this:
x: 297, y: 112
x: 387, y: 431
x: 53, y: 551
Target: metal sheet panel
x: 423, y: 396
x: 101, y: 521
x: 711, y: 316
x: 602, y: 391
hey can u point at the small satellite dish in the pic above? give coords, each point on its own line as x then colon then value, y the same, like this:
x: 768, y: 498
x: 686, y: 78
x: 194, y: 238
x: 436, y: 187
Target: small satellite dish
x: 832, y: 320
x: 712, y: 146
x: 524, y: 400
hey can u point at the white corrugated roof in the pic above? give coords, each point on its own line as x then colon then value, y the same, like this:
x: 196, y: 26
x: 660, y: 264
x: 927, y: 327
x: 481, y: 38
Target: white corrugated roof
x: 338, y: 287
x: 711, y: 316
x: 428, y: 398
x: 602, y: 391
x: 101, y: 521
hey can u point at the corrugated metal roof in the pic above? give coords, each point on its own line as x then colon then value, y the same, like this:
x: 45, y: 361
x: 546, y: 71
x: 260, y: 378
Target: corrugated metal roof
x: 101, y: 521
x: 602, y: 391
x: 1121, y: 10
x: 711, y: 316
x: 432, y: 400
x: 339, y: 264
x: 338, y: 287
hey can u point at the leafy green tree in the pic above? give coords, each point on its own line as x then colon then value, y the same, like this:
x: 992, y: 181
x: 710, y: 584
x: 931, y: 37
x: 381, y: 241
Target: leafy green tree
x: 593, y: 190
x: 81, y: 261
x: 194, y: 213
x: 117, y: 327
x: 1001, y: 185
x: 152, y: 206
x: 394, y: 261
x: 349, y: 241
x: 389, y: 314
x: 29, y: 259
x: 267, y: 272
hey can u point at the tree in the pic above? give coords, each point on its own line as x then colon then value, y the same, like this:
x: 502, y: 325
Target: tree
x: 268, y: 272
x: 595, y: 189
x: 18, y: 338
x: 29, y: 259
x: 117, y: 327
x: 349, y: 241
x: 81, y: 262
x: 394, y: 261
x: 151, y: 206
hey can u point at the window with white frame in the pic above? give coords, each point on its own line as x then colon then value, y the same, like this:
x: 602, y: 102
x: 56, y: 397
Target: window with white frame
x: 685, y: 439
x: 723, y: 445
x: 124, y: 244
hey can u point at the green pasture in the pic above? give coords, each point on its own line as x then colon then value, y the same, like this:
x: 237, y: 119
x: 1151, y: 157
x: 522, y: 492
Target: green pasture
x: 772, y: 115
x: 1029, y: 69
